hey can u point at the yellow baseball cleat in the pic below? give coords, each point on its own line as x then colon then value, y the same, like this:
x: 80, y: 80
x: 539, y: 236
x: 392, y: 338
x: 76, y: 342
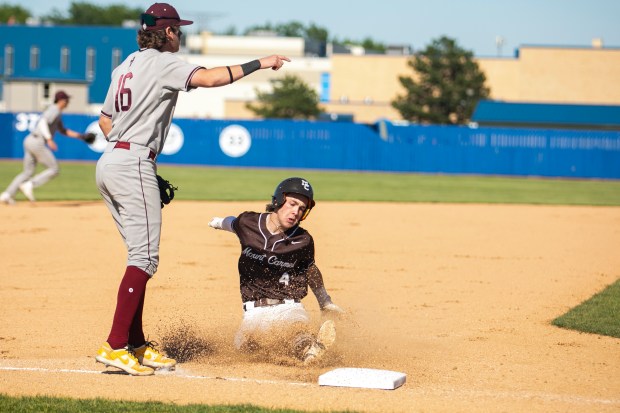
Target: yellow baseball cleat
x: 149, y: 356
x: 124, y: 359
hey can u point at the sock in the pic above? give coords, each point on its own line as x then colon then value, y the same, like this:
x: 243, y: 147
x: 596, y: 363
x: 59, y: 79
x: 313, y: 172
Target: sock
x: 136, y: 334
x: 130, y: 294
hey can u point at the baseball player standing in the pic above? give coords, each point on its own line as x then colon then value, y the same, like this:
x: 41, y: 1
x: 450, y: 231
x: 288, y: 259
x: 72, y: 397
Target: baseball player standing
x: 135, y: 119
x: 276, y: 267
x: 38, y: 147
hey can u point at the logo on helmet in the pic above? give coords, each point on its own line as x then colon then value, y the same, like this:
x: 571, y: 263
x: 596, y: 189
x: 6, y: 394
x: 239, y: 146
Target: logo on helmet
x: 305, y: 184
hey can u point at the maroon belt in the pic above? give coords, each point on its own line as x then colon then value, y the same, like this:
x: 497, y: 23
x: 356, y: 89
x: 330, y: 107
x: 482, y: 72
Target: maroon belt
x: 127, y: 145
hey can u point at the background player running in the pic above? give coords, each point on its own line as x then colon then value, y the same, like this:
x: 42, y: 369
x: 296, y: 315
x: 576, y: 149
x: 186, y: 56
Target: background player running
x: 135, y: 119
x: 38, y: 147
x: 276, y: 267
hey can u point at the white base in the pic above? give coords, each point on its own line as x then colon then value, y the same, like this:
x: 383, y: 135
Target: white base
x: 364, y: 378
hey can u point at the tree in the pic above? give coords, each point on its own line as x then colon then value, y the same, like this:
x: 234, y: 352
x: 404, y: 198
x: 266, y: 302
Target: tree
x: 317, y: 33
x: 291, y: 98
x: 292, y: 29
x: 314, y: 33
x: 368, y: 44
x: 13, y: 14
x: 259, y: 28
x: 449, y: 86
x: 230, y: 31
x: 84, y: 14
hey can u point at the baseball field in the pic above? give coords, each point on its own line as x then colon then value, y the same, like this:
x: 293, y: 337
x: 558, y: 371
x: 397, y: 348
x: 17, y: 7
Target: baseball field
x: 453, y: 281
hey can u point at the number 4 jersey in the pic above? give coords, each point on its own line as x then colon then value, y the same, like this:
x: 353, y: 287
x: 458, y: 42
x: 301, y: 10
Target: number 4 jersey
x: 272, y: 265
x: 143, y: 94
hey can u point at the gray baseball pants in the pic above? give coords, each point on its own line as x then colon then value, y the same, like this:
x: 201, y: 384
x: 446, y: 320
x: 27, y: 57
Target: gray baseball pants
x: 127, y: 181
x: 35, y: 151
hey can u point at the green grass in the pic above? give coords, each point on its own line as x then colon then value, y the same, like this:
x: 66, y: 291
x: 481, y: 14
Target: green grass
x: 599, y: 315
x: 77, y: 182
x: 66, y: 405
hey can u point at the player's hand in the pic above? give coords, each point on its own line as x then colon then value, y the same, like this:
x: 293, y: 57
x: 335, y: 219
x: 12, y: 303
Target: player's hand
x: 332, y: 308
x: 216, y: 222
x: 52, y: 145
x: 88, y: 137
x: 275, y: 62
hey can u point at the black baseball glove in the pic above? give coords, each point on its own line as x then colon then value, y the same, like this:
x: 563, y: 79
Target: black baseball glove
x: 166, y: 191
x: 88, y: 137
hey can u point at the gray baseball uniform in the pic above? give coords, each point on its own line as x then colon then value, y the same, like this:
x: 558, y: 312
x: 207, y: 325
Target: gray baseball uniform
x: 36, y: 151
x: 140, y: 102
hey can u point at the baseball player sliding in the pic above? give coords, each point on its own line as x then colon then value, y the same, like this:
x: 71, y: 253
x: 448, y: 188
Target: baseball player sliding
x: 135, y: 119
x: 276, y: 266
x: 38, y: 147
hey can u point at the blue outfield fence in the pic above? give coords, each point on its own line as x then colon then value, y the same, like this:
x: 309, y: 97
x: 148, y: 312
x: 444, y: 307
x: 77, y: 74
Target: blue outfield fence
x: 350, y: 146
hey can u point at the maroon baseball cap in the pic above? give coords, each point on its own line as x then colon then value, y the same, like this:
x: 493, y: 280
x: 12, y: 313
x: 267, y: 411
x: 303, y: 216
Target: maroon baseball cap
x: 60, y: 95
x: 161, y: 15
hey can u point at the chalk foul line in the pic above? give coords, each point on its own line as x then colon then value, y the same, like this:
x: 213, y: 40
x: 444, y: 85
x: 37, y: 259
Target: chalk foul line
x: 160, y: 373
x: 521, y: 395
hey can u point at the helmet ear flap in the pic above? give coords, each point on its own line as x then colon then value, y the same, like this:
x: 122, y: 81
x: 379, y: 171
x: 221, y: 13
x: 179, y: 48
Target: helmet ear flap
x: 277, y: 200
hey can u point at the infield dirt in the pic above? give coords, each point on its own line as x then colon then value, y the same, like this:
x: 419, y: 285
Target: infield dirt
x: 458, y: 297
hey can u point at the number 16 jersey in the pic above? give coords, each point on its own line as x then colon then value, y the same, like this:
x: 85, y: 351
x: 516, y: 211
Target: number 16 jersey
x: 143, y: 95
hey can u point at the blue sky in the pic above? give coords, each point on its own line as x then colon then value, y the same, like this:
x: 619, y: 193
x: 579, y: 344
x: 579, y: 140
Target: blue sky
x: 475, y: 24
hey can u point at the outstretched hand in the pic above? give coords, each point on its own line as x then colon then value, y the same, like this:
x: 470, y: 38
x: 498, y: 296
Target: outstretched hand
x: 216, y: 222
x: 333, y: 309
x: 275, y: 62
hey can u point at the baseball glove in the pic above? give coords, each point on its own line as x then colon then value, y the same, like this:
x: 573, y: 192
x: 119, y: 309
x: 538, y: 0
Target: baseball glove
x: 88, y: 137
x: 166, y: 191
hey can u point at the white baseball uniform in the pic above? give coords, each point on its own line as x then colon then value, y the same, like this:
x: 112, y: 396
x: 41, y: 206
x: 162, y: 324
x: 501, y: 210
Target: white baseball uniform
x: 36, y: 151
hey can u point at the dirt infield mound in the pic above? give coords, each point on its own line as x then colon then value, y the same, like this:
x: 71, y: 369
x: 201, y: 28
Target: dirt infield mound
x: 458, y: 297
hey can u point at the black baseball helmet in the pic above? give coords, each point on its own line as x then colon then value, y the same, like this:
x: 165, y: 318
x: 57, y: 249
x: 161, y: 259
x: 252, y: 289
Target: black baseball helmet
x: 293, y: 185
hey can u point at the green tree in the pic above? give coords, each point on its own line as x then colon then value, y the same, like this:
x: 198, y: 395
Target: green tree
x: 449, y: 86
x: 291, y: 98
x: 13, y: 14
x: 84, y: 14
x: 313, y: 32
x: 317, y: 33
x: 230, y: 31
x: 268, y: 27
x: 293, y: 29
x: 370, y: 44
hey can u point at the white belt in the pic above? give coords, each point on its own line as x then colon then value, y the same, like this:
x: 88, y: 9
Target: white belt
x: 267, y: 302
